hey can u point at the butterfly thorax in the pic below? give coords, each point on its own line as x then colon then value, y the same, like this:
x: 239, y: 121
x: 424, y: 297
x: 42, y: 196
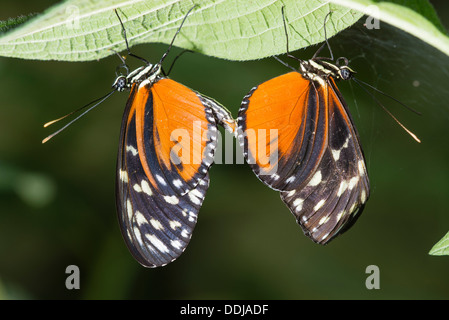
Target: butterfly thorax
x: 319, y: 70
x: 147, y: 74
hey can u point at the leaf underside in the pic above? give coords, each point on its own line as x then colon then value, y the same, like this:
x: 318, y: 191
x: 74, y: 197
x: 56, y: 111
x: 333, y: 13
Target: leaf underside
x: 80, y: 30
x: 441, y: 248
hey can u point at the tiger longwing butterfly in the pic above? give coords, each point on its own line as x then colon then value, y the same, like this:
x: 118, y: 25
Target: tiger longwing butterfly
x: 160, y: 194
x: 158, y: 191
x: 314, y: 157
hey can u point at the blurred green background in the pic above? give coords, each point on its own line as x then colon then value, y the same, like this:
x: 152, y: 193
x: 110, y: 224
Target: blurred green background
x: 57, y: 201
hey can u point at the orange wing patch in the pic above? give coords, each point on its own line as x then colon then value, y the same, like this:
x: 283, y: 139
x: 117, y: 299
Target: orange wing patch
x: 179, y: 124
x: 272, y: 130
x: 137, y: 110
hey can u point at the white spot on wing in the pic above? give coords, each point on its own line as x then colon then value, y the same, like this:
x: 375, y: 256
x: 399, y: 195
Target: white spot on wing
x: 146, y: 188
x: 363, y: 196
x: 174, y: 224
x: 319, y: 205
x: 290, y: 179
x: 354, y: 205
x: 185, y: 233
x: 161, y: 180
x: 340, y: 215
x: 195, y: 196
x: 336, y: 154
x: 298, y: 204
x: 171, y: 200
x: 137, y: 235
x: 315, y: 180
x: 343, y: 187
x: 156, y: 224
x: 140, y: 219
x: 131, y: 149
x: 175, y: 244
x: 361, y: 167
x: 123, y: 176
x: 323, y: 220
x: 353, y: 182
x: 157, y: 243
x: 177, y: 183
x: 197, y: 193
x: 129, y: 209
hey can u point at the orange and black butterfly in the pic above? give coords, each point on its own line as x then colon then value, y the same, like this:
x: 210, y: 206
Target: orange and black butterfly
x: 159, y: 192
x: 167, y: 141
x: 298, y: 137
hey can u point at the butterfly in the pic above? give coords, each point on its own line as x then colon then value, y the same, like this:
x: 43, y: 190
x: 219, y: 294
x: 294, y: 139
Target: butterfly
x: 167, y: 142
x: 160, y: 193
x: 298, y: 137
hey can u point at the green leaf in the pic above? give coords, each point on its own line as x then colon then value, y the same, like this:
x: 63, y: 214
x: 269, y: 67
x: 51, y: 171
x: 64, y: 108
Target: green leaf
x: 416, y: 17
x: 14, y: 22
x: 441, y: 248
x: 79, y: 30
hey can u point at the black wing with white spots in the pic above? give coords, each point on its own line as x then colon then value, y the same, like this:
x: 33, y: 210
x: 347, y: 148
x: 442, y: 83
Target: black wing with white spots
x: 334, y: 195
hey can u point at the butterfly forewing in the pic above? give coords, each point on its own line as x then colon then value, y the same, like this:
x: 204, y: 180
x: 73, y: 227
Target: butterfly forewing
x: 157, y: 200
x: 183, y: 133
x: 280, y: 130
x: 334, y: 197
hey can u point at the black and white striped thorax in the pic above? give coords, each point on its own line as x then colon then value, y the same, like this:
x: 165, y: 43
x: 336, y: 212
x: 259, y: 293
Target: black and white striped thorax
x: 143, y: 75
x: 320, y: 70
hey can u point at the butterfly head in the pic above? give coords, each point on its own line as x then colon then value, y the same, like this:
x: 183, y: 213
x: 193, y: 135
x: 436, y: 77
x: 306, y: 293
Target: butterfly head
x: 343, y: 72
x: 120, y: 83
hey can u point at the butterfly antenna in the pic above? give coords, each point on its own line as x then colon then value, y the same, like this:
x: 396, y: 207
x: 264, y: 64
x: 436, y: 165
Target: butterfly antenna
x: 95, y: 102
x: 174, y: 60
x: 388, y: 96
x: 174, y: 37
x: 325, y: 39
x: 285, y: 63
x: 126, y: 40
x: 387, y: 111
x: 286, y: 39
